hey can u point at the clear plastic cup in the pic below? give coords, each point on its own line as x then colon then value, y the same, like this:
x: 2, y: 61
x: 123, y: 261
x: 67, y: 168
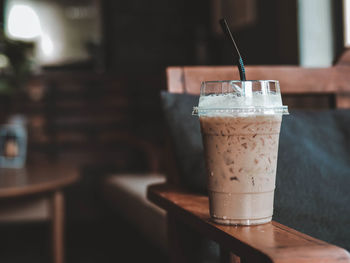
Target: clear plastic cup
x: 240, y: 125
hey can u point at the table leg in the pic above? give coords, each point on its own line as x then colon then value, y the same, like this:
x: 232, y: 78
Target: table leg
x: 58, y: 227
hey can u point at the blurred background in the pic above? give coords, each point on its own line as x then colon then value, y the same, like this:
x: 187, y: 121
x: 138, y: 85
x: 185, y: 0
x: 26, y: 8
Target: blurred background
x: 87, y: 74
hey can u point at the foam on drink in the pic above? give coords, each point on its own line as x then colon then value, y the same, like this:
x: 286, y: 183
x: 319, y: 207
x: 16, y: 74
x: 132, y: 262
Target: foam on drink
x: 231, y: 100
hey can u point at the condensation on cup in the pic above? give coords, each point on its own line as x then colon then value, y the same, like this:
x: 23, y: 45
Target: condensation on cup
x: 240, y: 125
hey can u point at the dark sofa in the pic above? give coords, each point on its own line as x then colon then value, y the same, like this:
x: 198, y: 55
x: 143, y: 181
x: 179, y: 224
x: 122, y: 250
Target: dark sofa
x: 313, y: 175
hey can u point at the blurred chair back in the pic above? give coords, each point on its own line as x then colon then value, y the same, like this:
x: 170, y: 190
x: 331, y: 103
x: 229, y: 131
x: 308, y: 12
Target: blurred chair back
x: 301, y: 87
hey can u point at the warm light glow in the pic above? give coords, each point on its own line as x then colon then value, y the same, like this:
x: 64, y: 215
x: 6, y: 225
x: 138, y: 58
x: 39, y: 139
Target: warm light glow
x: 23, y: 22
x: 46, y: 45
x: 59, y: 30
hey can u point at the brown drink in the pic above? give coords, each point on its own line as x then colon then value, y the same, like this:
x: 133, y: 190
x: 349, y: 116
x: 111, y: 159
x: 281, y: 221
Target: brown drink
x: 241, y: 146
x: 241, y: 158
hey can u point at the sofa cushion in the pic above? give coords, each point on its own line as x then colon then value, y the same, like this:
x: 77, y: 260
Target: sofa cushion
x: 127, y: 194
x: 313, y: 170
x: 313, y: 175
x: 186, y: 137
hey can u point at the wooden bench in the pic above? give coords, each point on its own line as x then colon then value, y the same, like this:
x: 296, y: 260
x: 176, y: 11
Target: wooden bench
x: 270, y: 242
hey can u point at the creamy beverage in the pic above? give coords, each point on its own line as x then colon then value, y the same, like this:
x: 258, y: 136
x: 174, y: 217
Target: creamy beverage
x: 240, y: 137
x: 241, y: 158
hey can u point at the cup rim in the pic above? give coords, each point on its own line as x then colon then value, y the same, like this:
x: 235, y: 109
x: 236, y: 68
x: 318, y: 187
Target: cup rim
x: 240, y: 81
x: 258, y: 110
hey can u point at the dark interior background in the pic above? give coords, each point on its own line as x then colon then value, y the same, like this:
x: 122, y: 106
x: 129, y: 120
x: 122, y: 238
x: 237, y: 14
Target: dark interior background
x: 105, y: 114
x: 99, y: 112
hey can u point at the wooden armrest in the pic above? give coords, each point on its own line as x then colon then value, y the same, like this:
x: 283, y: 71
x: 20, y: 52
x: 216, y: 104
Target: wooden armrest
x: 271, y: 242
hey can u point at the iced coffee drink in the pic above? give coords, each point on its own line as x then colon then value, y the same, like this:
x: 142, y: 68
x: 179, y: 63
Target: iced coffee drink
x: 240, y: 127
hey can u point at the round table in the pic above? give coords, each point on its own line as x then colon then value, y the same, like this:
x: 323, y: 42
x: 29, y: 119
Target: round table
x: 35, y: 192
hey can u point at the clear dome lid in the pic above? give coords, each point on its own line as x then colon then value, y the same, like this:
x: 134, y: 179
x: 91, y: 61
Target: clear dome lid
x: 233, y: 97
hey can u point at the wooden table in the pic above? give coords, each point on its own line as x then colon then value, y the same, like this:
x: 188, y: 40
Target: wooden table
x: 35, y: 193
x: 271, y: 242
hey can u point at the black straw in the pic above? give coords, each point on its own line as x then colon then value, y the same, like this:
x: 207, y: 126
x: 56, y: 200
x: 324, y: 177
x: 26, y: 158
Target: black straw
x: 239, y: 59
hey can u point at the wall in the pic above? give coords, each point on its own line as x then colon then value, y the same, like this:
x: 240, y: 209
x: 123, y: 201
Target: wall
x: 142, y: 38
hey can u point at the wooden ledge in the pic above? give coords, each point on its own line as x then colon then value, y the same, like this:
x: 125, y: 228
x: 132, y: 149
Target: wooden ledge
x: 270, y: 242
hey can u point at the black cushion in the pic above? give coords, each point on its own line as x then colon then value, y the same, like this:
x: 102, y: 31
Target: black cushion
x: 313, y: 175
x: 187, y: 140
x: 313, y: 171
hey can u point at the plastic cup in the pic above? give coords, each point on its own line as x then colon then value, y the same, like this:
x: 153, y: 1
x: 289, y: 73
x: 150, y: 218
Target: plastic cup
x: 240, y: 126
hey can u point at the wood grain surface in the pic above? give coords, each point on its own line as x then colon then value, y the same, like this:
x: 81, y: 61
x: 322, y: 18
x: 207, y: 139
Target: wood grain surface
x: 294, y: 80
x: 271, y: 242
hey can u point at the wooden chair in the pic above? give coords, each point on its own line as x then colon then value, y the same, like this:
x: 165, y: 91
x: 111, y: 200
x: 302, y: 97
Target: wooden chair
x: 333, y: 81
x: 272, y: 242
